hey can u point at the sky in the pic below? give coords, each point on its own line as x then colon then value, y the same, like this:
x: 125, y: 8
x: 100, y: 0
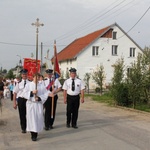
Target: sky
x: 65, y: 21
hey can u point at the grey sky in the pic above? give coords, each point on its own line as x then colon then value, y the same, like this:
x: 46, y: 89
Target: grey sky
x: 64, y: 21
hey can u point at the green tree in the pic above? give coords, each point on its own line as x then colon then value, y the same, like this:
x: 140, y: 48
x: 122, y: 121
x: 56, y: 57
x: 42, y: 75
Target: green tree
x: 146, y: 74
x: 67, y: 74
x: 98, y: 76
x: 86, y: 80
x: 10, y: 74
x: 136, y: 80
x: 4, y: 71
x: 119, y: 89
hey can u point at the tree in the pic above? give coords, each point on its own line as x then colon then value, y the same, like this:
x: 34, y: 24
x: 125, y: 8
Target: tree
x: 10, y: 74
x: 135, y: 81
x: 67, y: 74
x: 119, y: 89
x: 4, y: 71
x: 146, y: 73
x: 98, y: 76
x: 86, y: 80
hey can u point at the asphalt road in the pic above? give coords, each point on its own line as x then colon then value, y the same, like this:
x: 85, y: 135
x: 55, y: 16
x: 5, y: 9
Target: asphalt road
x: 100, y: 128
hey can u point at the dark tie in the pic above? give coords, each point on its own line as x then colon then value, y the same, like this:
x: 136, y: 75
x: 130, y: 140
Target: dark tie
x: 51, y: 85
x: 24, y: 83
x: 73, y: 85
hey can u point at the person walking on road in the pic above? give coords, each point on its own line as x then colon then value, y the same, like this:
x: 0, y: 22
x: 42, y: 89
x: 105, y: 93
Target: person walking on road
x: 55, y: 87
x: 73, y: 87
x: 11, y: 87
x: 19, y: 100
x: 35, y: 100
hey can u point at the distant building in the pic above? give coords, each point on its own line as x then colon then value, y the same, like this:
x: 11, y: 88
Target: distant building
x: 16, y: 70
x: 102, y: 47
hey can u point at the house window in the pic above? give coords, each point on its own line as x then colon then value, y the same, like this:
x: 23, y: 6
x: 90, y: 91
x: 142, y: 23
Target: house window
x: 129, y: 71
x: 132, y: 52
x: 114, y: 49
x: 114, y: 35
x: 95, y: 50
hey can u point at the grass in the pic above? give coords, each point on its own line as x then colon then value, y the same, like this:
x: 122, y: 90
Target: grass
x: 143, y: 107
x: 105, y: 98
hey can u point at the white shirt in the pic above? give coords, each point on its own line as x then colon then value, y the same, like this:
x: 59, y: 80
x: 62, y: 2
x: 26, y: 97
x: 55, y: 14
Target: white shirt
x: 18, y: 89
x: 56, y: 83
x: 78, y: 86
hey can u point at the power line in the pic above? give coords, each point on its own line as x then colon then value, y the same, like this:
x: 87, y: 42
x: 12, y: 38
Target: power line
x: 89, y: 23
x: 106, y: 17
x: 82, y: 24
x: 7, y: 43
x: 139, y: 19
x: 93, y: 21
x: 136, y: 22
x: 63, y: 36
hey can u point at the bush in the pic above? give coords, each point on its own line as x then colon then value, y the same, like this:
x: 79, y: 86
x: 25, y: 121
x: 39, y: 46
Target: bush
x: 97, y: 90
x: 121, y: 94
x: 62, y: 81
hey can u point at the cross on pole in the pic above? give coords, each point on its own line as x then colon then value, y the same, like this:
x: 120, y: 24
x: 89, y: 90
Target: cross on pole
x: 37, y: 24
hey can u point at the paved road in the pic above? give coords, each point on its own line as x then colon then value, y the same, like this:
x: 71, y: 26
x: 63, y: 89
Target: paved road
x: 100, y: 128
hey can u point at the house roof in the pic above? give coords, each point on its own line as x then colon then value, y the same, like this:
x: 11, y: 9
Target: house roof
x: 78, y: 45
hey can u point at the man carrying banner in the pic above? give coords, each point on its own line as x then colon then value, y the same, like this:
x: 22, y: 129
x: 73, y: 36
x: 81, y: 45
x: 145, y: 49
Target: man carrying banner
x: 53, y: 85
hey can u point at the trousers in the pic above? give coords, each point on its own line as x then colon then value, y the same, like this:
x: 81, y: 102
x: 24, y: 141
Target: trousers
x: 22, y: 112
x: 49, y: 118
x: 73, y: 103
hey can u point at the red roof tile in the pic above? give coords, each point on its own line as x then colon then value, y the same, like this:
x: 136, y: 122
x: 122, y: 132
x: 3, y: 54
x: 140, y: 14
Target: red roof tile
x: 78, y: 45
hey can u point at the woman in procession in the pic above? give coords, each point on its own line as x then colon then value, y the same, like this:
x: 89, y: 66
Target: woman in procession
x: 35, y: 100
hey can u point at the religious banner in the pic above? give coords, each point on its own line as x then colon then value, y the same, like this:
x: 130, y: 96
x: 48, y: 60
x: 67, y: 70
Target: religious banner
x: 30, y: 65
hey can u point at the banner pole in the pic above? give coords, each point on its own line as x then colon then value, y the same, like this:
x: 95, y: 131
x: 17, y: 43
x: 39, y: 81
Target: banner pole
x: 37, y: 24
x: 54, y: 79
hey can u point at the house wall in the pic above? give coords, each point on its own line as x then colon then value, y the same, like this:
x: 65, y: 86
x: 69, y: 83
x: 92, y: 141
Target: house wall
x: 86, y: 63
x: 66, y: 65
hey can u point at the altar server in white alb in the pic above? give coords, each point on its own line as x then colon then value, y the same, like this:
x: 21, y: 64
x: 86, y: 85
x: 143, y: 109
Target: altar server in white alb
x: 35, y: 100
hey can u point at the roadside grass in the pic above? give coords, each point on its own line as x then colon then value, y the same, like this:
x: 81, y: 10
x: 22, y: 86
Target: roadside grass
x: 105, y: 98
x: 143, y: 107
x: 108, y: 99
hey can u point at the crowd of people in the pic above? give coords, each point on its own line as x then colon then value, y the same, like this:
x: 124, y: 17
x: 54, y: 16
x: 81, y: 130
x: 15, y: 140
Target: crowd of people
x: 36, y: 100
x: 7, y: 86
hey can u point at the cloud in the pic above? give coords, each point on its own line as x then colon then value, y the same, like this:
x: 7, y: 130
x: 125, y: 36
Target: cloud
x: 64, y: 20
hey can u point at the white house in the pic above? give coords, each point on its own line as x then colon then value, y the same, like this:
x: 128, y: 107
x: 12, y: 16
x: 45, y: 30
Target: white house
x: 102, y: 47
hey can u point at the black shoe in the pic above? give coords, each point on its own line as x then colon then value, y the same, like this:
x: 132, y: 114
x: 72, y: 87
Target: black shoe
x: 23, y: 131
x: 51, y: 127
x: 75, y: 127
x: 68, y: 125
x: 46, y: 128
x: 34, y: 139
